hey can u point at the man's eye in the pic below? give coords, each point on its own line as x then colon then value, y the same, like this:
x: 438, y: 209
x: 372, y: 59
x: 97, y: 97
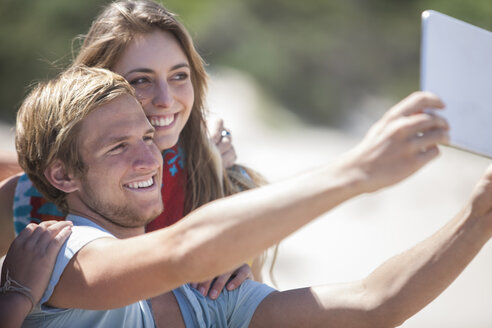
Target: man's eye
x: 149, y: 139
x: 117, y: 148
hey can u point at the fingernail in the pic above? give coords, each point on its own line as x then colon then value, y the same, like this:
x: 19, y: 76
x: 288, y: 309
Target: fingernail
x: 231, y: 286
x: 202, y: 291
x: 213, y: 294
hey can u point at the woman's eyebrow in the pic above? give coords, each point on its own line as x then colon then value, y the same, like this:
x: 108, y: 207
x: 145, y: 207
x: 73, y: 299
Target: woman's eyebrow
x: 180, y: 66
x: 148, y: 70
x: 139, y: 70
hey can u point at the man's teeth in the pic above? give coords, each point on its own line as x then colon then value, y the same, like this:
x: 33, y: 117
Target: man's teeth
x: 141, y: 184
x: 162, y: 121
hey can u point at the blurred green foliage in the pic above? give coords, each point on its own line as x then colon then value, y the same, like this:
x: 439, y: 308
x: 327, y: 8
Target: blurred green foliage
x: 318, y: 58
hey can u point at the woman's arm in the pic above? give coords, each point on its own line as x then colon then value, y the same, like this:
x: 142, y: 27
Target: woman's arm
x: 28, y: 267
x: 8, y: 165
x: 7, y: 191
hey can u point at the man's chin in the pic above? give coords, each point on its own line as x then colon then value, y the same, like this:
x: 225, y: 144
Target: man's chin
x: 152, y: 216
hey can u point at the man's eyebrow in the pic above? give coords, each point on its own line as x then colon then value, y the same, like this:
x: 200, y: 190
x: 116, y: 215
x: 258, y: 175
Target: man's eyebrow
x: 148, y: 70
x: 107, y: 142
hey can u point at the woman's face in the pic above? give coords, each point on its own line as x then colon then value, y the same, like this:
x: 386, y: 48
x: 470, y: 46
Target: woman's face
x: 156, y: 66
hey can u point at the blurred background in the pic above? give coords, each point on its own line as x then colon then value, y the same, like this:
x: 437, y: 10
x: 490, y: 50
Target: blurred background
x: 298, y: 83
x: 320, y: 59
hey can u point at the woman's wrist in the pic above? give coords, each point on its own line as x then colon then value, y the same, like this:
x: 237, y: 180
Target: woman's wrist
x: 14, y: 307
x: 18, y: 301
x: 15, y: 291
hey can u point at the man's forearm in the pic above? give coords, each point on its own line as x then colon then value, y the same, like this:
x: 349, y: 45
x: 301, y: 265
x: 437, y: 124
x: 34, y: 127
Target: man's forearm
x: 223, y: 234
x: 242, y: 226
x: 406, y: 283
x: 394, y: 292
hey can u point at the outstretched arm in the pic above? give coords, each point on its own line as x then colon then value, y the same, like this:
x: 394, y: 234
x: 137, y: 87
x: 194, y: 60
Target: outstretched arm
x: 392, y: 150
x: 398, y: 288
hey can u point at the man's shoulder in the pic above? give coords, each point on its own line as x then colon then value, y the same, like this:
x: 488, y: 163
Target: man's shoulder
x: 84, y: 231
x: 81, y: 235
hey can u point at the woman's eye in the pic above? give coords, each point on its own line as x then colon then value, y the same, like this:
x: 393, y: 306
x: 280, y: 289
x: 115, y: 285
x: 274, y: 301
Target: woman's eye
x: 139, y: 81
x: 180, y: 76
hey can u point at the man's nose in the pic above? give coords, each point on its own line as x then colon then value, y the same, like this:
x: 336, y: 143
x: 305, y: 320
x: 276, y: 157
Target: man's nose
x: 147, y: 157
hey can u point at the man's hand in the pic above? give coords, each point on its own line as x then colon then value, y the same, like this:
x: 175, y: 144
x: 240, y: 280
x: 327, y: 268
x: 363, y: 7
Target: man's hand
x: 233, y: 279
x: 221, y: 137
x: 401, y: 142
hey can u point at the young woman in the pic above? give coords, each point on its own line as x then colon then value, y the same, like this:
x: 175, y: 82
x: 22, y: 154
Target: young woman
x: 144, y: 43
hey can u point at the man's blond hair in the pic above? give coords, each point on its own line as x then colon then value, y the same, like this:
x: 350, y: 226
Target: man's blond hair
x: 48, y: 122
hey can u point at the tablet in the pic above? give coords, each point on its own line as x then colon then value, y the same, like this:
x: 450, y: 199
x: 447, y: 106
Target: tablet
x: 456, y: 65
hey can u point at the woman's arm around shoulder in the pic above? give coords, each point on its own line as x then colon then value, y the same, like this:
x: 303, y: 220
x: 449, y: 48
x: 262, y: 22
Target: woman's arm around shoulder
x: 7, y: 191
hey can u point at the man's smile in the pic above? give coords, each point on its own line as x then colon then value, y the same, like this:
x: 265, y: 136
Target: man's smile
x: 141, y: 184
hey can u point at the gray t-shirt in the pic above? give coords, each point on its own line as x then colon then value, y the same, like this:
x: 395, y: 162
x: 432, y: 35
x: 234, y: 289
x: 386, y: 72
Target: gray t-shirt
x: 134, y: 315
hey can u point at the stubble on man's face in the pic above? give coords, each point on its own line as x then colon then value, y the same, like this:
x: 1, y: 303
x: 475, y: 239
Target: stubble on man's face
x: 124, y: 166
x: 120, y: 214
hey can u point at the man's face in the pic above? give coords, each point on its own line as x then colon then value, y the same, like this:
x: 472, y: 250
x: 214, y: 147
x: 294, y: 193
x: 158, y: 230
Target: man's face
x: 124, y: 167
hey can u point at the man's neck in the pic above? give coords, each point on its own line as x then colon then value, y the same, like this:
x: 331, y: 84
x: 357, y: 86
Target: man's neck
x: 118, y: 231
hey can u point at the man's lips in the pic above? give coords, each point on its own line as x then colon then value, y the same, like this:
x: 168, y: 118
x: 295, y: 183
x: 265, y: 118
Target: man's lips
x: 140, y: 184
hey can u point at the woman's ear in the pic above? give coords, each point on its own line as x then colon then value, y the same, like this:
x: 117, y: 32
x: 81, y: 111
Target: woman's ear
x: 59, y: 178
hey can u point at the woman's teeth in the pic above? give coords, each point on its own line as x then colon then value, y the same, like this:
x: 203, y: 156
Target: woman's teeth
x: 162, y: 120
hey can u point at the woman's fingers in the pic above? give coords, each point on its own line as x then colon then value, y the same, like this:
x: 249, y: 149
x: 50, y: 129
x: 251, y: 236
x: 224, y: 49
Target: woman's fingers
x: 240, y: 275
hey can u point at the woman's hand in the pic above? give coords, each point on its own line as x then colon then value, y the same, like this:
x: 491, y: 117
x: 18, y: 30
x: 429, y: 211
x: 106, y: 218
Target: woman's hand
x: 221, y: 137
x: 233, y: 279
x: 29, y: 264
x: 32, y: 255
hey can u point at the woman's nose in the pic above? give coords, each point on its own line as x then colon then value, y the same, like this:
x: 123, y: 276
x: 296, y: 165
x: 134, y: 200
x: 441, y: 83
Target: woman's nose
x: 162, y: 95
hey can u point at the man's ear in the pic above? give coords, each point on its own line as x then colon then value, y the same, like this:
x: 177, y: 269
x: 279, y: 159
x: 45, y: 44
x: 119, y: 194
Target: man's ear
x: 59, y: 178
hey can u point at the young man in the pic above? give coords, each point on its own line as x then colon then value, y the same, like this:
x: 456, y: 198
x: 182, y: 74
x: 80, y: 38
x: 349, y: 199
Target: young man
x: 86, y: 144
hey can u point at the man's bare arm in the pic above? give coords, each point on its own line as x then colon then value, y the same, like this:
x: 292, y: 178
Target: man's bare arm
x: 111, y: 273
x: 397, y: 289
